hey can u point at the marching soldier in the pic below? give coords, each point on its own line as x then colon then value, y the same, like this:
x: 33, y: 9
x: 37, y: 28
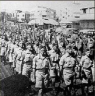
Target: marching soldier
x: 67, y: 66
x: 19, y: 58
x: 54, y: 68
x: 41, y: 70
x: 27, y: 62
x: 9, y: 51
x: 86, y: 65
x: 3, y: 50
x: 15, y: 54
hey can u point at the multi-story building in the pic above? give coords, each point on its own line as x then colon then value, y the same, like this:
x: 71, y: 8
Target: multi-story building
x: 43, y: 13
x: 20, y: 16
x: 67, y: 16
x: 87, y: 20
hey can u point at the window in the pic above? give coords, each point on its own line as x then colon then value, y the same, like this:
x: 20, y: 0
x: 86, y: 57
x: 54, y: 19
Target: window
x: 92, y: 11
x: 43, y: 15
x: 84, y: 10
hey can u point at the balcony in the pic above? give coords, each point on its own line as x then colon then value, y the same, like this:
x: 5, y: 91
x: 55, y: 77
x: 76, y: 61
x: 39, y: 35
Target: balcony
x: 87, y: 17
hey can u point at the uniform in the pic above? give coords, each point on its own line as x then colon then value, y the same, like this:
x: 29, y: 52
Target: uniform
x: 41, y: 66
x: 86, y: 64
x: 68, y: 63
x: 15, y: 53
x: 54, y: 63
x: 9, y: 55
x: 27, y: 62
x: 19, y: 60
x: 79, y: 45
x: 3, y: 50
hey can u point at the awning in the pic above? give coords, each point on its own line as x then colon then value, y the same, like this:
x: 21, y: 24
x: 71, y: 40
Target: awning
x: 53, y: 22
x: 36, y: 21
x: 65, y: 22
x: 42, y: 21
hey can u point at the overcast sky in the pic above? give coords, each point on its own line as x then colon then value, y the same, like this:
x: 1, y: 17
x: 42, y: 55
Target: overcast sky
x: 56, y: 5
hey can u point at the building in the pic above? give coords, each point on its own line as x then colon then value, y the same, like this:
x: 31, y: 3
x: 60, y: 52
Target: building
x: 84, y: 20
x: 87, y: 20
x: 20, y: 16
x: 43, y: 13
x: 68, y: 17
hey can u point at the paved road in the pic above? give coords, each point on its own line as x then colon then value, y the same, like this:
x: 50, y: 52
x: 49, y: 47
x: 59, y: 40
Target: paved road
x: 5, y: 72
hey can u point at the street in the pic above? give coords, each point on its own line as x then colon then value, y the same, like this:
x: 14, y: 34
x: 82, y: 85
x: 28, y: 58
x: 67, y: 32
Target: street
x: 5, y: 72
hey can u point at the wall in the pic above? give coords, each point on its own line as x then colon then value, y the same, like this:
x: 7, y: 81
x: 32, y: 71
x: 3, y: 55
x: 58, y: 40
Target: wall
x: 87, y: 24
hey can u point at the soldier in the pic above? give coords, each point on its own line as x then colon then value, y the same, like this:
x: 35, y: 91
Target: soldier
x: 80, y: 45
x: 67, y: 67
x: 54, y: 68
x: 27, y: 62
x: 36, y: 47
x: 15, y: 53
x: 13, y: 46
x: 3, y: 50
x: 19, y: 58
x: 41, y: 70
x: 86, y: 65
x: 9, y: 51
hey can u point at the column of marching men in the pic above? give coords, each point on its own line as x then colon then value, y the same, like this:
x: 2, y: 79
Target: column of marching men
x: 55, y: 59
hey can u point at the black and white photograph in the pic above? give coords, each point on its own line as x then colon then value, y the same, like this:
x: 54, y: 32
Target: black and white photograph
x: 47, y: 48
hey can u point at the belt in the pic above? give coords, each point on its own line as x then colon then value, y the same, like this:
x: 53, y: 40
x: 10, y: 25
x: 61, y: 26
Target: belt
x: 45, y: 70
x: 27, y: 61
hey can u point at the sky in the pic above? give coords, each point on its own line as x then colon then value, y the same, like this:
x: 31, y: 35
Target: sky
x: 73, y: 6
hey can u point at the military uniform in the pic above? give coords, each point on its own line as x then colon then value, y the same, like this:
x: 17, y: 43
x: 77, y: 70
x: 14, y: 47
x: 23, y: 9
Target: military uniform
x: 54, y: 63
x: 68, y: 63
x: 3, y: 50
x: 15, y: 53
x: 9, y: 51
x: 27, y: 62
x: 19, y: 60
x: 86, y: 64
x: 41, y: 67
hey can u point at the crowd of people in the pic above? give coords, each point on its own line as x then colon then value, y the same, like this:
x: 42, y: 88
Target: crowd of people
x: 49, y: 57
